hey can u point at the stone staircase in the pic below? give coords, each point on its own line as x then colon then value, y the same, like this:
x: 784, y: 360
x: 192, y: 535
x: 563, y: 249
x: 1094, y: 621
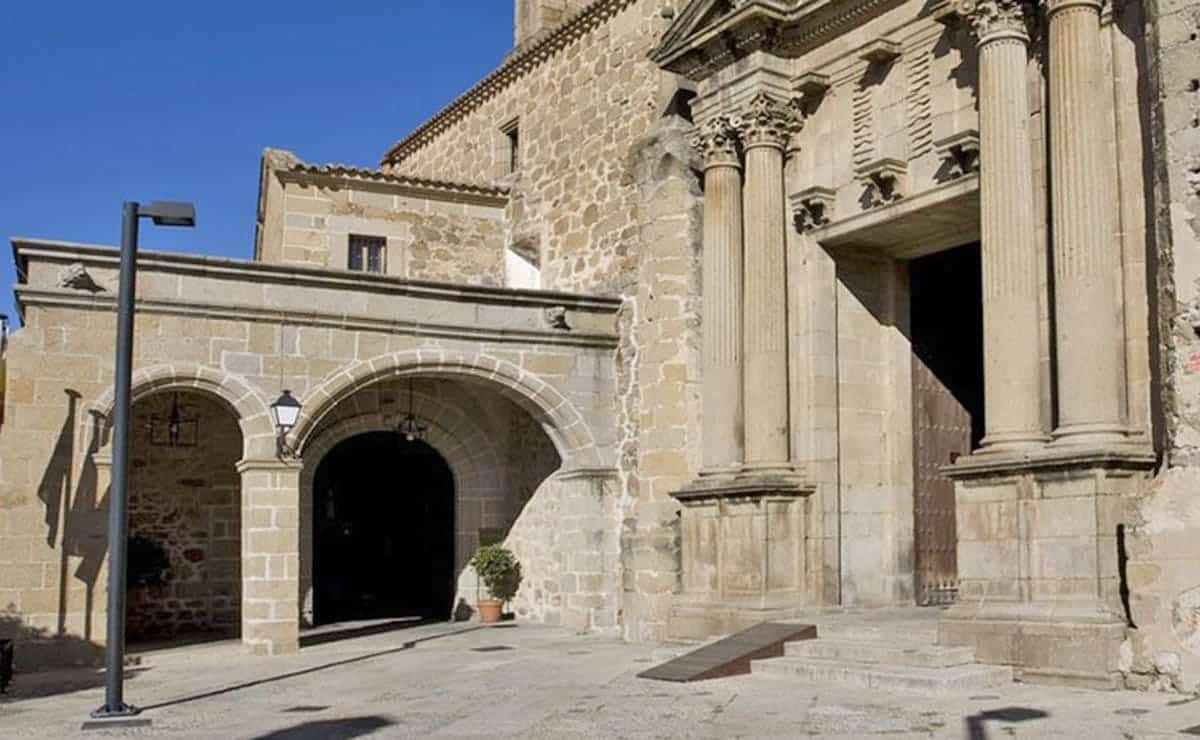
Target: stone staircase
x: 894, y: 656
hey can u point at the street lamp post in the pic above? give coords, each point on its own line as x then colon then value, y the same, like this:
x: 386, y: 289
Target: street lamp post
x: 162, y: 214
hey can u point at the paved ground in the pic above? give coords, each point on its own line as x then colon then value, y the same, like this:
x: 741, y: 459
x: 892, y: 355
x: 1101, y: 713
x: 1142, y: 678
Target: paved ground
x: 444, y: 681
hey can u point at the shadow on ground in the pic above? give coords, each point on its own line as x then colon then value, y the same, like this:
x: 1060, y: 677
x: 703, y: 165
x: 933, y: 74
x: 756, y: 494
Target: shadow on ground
x: 306, y: 671
x: 976, y: 723
x: 331, y: 729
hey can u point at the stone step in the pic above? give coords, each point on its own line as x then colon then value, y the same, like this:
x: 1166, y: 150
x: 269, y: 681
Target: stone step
x: 896, y: 653
x: 818, y: 672
x: 926, y: 631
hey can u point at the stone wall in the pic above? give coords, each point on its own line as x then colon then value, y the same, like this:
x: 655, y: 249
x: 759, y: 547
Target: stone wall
x: 606, y: 198
x: 1164, y: 538
x: 433, y: 231
x: 187, y: 500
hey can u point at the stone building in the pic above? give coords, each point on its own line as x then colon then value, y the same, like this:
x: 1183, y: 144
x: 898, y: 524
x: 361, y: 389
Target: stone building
x: 714, y: 311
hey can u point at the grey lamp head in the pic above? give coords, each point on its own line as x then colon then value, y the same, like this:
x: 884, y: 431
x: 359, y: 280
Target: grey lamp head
x: 169, y: 213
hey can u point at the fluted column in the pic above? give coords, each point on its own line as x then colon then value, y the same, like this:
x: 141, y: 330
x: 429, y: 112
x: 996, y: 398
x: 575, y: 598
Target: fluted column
x: 1087, y: 313
x: 722, y: 297
x: 1012, y: 379
x: 766, y: 126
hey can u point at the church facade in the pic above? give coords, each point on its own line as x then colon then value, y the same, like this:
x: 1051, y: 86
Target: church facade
x: 714, y: 312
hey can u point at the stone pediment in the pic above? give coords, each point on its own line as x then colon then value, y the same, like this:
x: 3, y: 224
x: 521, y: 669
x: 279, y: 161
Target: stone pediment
x: 711, y: 34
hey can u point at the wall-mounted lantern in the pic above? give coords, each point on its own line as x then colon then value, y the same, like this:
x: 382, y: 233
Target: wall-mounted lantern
x: 285, y: 412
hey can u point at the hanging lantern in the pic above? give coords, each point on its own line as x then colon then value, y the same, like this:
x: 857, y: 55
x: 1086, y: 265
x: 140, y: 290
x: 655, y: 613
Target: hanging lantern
x: 410, y: 428
x: 175, y: 430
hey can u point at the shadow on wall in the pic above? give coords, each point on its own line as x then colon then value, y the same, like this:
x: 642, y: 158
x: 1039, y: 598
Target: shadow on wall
x: 35, y: 648
x: 75, y: 528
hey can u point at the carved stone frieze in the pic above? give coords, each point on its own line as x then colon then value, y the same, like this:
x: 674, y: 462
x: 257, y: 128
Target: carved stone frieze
x: 990, y: 18
x: 769, y: 121
x: 717, y: 140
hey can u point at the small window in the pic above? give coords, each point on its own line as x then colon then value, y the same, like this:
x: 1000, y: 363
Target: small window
x: 368, y: 253
x: 513, y: 133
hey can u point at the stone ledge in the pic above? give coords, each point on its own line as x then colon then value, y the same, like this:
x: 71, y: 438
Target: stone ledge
x: 1050, y: 458
x: 760, y: 486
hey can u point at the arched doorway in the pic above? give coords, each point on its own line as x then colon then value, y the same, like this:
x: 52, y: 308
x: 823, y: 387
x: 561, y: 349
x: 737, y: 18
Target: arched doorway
x: 184, y: 572
x: 383, y: 528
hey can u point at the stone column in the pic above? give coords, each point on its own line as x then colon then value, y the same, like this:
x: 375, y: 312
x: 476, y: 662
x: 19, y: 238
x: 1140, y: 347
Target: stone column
x: 270, y: 556
x: 766, y: 126
x: 1087, y: 314
x: 722, y: 297
x: 1012, y: 394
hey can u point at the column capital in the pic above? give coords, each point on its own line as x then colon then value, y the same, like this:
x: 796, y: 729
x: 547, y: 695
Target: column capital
x: 769, y: 121
x: 995, y: 20
x: 717, y: 139
x: 1057, y: 6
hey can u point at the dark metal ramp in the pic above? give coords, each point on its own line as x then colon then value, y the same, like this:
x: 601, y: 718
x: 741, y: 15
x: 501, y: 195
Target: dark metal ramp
x: 732, y: 655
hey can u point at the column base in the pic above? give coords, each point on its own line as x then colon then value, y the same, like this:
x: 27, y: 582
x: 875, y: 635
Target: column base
x: 1090, y: 435
x: 1011, y: 442
x: 1044, y: 644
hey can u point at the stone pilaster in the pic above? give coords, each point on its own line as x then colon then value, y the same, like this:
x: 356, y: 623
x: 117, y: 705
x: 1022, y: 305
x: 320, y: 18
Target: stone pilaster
x: 270, y: 556
x: 766, y: 125
x: 1087, y: 314
x: 1012, y: 378
x: 722, y: 297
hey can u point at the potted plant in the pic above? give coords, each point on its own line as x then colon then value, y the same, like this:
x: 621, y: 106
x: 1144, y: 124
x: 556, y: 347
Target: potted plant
x: 500, y: 572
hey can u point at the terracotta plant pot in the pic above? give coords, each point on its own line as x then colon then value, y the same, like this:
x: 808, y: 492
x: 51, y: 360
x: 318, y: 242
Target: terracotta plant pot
x: 489, y: 611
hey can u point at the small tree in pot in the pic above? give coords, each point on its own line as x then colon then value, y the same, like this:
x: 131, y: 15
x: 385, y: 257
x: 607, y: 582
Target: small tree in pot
x: 500, y: 572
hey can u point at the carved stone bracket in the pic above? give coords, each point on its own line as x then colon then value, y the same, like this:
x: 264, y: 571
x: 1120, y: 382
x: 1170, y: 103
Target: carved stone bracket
x: 886, y: 180
x: 812, y: 87
x: 767, y: 120
x: 880, y: 52
x: 812, y: 207
x: 556, y: 318
x: 959, y: 153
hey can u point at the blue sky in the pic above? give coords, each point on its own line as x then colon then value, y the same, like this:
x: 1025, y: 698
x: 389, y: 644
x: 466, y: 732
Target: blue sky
x: 106, y: 101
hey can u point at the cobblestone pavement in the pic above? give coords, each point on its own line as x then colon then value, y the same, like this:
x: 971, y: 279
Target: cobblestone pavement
x: 456, y: 681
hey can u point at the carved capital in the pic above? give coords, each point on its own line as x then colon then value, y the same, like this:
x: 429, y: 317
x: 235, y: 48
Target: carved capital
x: 768, y: 121
x: 1054, y: 7
x: 717, y: 140
x: 995, y: 19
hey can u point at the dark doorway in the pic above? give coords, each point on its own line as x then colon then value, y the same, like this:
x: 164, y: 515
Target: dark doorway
x: 383, y: 525
x: 946, y: 330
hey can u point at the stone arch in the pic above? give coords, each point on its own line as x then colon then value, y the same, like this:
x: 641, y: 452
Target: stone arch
x: 561, y: 420
x: 253, y: 414
x: 485, y: 490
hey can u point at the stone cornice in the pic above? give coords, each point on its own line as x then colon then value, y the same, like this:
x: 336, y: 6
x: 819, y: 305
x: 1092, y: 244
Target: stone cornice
x: 697, y: 49
x: 513, y: 68
x: 297, y: 276
x: 1050, y: 458
x: 65, y: 298
x: 289, y: 168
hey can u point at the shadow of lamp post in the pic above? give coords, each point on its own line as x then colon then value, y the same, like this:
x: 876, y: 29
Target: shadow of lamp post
x: 162, y: 214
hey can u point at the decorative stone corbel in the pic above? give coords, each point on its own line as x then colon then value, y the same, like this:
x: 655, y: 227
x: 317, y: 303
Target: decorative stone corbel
x: 812, y: 207
x: 556, y: 318
x: 886, y: 180
x: 76, y: 277
x: 880, y: 52
x: 959, y: 153
x: 812, y: 87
